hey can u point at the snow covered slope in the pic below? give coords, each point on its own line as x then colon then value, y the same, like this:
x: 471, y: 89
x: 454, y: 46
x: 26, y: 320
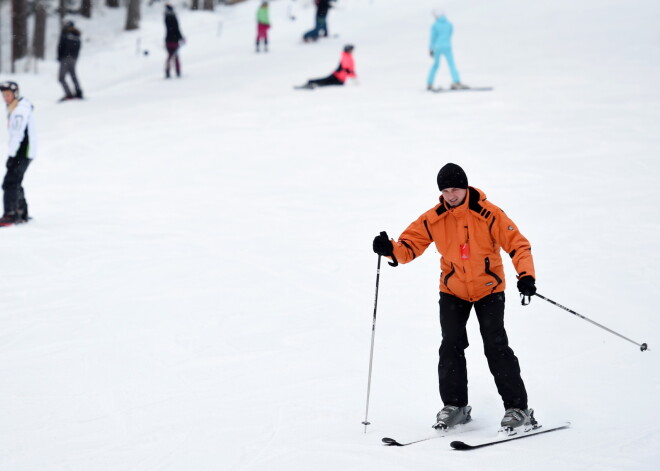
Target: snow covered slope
x: 195, y: 291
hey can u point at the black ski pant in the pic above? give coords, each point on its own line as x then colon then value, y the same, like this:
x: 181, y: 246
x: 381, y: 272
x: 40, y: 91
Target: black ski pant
x: 503, y: 364
x: 12, y: 185
x: 329, y: 80
x: 68, y: 67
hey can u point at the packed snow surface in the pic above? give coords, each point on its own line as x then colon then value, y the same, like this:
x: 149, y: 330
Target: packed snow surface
x: 196, y: 289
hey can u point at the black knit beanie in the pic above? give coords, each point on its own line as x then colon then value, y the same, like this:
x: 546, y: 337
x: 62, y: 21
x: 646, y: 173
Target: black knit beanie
x: 452, y: 176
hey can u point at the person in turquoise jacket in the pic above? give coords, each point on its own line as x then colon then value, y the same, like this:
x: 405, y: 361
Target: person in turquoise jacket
x: 440, y: 45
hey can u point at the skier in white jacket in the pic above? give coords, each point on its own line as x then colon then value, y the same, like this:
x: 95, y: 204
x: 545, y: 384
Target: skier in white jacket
x: 22, y: 149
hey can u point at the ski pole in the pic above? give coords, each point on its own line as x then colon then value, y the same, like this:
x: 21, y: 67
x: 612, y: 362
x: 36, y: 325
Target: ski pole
x: 371, y: 355
x: 642, y: 346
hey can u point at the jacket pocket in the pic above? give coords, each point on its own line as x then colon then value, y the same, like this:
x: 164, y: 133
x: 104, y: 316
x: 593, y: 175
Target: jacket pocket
x: 491, y: 273
x: 445, y: 279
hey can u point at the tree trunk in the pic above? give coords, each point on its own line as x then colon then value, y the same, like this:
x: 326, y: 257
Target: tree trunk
x: 62, y: 11
x: 112, y: 3
x: 208, y: 5
x: 86, y: 8
x: 194, y: 5
x: 39, y: 38
x: 133, y: 15
x: 0, y: 37
x: 19, y: 34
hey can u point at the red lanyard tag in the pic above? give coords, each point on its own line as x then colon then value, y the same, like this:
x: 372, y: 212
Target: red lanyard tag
x: 465, y: 251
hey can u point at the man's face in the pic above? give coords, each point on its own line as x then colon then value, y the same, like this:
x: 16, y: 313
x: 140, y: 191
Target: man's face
x: 8, y: 96
x: 454, y: 196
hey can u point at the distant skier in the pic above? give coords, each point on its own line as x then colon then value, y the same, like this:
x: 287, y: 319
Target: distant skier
x: 440, y: 45
x: 22, y: 149
x: 321, y: 21
x: 68, y: 49
x: 173, y: 39
x: 345, y: 70
x: 263, y: 24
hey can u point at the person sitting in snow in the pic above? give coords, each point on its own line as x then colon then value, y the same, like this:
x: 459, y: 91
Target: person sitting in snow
x: 263, y: 24
x: 345, y: 70
x: 440, y: 45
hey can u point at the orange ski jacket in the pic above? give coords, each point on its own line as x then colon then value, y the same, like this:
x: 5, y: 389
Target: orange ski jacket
x: 477, y: 271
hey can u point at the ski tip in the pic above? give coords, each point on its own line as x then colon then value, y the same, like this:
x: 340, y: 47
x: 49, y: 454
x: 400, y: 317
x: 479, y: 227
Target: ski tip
x: 557, y: 426
x: 458, y: 445
x: 390, y: 442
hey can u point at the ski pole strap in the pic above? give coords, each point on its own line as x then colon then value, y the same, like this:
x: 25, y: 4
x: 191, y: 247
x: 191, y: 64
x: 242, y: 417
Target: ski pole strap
x: 525, y: 300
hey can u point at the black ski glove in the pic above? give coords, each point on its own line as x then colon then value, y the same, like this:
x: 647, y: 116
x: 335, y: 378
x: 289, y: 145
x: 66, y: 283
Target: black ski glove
x: 383, y: 245
x: 527, y: 285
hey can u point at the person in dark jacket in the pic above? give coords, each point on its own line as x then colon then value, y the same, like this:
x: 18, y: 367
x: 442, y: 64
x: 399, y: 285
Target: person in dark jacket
x: 321, y: 26
x: 68, y: 49
x: 173, y: 39
x: 322, y: 7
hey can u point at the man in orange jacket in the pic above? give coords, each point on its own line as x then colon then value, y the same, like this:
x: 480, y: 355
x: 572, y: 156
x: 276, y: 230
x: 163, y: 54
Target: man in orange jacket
x: 469, y: 233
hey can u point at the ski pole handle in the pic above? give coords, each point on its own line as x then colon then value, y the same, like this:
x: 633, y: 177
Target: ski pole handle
x: 394, y: 262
